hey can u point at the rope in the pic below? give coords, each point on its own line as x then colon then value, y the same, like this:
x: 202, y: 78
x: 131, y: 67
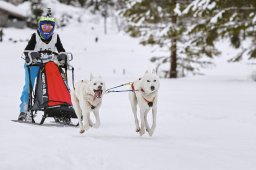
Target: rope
x: 119, y: 86
x: 110, y: 89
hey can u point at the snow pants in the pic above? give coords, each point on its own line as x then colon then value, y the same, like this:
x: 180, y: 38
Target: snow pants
x: 25, y: 92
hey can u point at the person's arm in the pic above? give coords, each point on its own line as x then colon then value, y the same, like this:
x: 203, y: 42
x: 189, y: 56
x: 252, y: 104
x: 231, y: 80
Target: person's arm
x: 59, y: 45
x: 32, y: 42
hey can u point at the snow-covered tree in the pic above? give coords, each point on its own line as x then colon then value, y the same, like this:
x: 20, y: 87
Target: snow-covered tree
x: 37, y: 11
x: 160, y: 23
x: 232, y: 19
x: 102, y: 7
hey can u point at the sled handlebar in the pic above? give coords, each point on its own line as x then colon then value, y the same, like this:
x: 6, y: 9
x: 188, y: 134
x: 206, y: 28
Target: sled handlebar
x: 32, y: 57
x: 49, y: 52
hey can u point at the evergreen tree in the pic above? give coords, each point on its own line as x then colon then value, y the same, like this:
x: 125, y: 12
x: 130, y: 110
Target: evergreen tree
x: 103, y: 7
x: 161, y: 24
x: 74, y: 2
x: 37, y: 11
x: 232, y: 19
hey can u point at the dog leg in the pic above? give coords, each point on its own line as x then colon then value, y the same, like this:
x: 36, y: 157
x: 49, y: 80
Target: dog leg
x: 78, y: 111
x: 142, y: 122
x: 97, y: 117
x: 86, y: 121
x: 133, y: 102
x: 90, y: 121
x: 136, y: 118
x: 154, y: 113
x: 79, y: 117
x: 146, y: 120
x: 85, y: 113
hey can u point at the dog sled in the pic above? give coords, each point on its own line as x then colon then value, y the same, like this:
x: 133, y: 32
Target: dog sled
x: 51, y: 91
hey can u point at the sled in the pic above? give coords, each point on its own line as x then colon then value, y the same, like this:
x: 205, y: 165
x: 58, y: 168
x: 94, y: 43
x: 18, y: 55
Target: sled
x: 51, y: 93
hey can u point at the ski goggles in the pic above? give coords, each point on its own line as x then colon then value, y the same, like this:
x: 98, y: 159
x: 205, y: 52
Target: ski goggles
x: 46, y: 27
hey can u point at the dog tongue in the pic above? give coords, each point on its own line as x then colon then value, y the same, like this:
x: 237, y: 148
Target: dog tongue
x: 97, y: 94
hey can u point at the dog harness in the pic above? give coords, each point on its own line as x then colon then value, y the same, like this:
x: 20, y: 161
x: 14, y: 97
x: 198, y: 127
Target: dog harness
x: 150, y: 103
x: 92, y: 106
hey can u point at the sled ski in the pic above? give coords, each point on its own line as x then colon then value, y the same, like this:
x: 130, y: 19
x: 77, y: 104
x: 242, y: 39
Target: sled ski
x: 52, y: 123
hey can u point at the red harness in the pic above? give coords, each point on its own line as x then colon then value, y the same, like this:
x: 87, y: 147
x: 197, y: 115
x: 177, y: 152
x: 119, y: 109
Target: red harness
x: 132, y: 85
x: 150, y: 103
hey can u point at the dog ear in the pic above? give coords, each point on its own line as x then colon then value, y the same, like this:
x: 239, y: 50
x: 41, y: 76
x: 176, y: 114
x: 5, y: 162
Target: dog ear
x: 153, y: 71
x: 91, y: 76
x: 146, y: 72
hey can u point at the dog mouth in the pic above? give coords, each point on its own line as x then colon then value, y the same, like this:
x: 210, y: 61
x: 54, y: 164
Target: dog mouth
x: 97, y: 93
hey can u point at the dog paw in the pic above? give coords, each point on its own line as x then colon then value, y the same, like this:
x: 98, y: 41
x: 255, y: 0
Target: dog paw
x: 96, y: 125
x: 150, y: 132
x: 142, y: 132
x: 137, y: 130
x: 82, y: 131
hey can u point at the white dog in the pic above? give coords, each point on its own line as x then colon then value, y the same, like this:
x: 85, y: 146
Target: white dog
x: 87, y: 97
x: 144, y: 94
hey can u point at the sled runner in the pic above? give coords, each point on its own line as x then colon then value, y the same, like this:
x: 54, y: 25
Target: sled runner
x: 51, y: 92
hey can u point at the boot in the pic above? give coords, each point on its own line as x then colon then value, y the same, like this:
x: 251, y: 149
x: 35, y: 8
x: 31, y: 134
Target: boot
x: 22, y: 116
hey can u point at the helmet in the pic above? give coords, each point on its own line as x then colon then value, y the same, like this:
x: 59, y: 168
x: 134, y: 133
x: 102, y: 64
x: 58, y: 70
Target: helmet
x: 46, y: 27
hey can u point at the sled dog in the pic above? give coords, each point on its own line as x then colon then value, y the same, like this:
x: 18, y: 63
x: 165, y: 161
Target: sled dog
x: 144, y: 94
x: 86, y: 97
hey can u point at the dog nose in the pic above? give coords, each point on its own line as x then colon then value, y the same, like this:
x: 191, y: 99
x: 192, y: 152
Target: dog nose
x: 99, y: 87
x: 152, y: 88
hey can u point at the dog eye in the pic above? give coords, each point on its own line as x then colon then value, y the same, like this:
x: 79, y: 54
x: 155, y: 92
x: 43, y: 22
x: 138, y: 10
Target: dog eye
x: 101, y: 83
x: 94, y: 84
x: 148, y: 81
x: 154, y: 80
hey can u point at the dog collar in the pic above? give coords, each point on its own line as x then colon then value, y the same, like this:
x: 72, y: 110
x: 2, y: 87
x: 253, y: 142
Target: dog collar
x: 150, y: 103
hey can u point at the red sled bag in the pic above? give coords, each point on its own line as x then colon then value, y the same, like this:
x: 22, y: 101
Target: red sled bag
x: 58, y: 93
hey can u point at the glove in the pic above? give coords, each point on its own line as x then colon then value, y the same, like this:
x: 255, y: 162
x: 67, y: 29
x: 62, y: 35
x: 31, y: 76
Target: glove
x: 62, y: 58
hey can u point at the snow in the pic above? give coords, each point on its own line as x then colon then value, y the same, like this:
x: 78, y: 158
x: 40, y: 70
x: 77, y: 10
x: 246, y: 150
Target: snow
x: 199, y: 4
x: 217, y: 16
x: 12, y: 8
x: 254, y: 19
x: 177, y: 10
x: 59, y: 9
x: 203, y: 122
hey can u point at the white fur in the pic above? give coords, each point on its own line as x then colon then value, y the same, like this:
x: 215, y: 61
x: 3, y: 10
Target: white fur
x: 142, y: 97
x: 83, y: 98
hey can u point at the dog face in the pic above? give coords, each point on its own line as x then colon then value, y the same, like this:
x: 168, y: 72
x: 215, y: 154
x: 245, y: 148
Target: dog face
x: 150, y: 82
x: 97, y: 86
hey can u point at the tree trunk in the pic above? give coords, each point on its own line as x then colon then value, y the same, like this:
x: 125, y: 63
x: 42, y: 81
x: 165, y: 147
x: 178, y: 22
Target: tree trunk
x: 173, y: 57
x: 68, y: 2
x: 173, y: 60
x: 1, y: 35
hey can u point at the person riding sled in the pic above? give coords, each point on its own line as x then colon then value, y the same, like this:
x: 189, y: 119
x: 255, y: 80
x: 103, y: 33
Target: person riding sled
x: 43, y: 39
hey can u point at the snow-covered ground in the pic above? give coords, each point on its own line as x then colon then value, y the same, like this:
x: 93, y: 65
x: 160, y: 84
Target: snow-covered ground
x: 203, y: 122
